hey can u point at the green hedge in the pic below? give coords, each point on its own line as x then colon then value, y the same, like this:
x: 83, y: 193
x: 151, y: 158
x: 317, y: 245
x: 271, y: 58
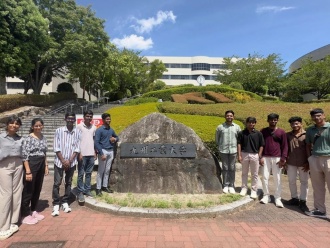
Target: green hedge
x: 165, y: 95
x: 9, y: 102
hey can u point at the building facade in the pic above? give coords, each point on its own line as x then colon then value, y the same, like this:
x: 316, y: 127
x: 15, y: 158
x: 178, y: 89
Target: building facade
x: 16, y: 86
x: 315, y: 55
x: 198, y: 70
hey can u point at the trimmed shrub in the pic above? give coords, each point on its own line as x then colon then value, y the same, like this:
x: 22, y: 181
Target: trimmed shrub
x: 179, y: 98
x: 216, y: 97
x: 238, y: 97
x: 140, y: 100
x: 9, y: 102
x: 166, y: 94
x: 270, y: 98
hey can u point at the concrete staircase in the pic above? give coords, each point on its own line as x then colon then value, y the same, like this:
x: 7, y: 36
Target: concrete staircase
x: 52, y: 122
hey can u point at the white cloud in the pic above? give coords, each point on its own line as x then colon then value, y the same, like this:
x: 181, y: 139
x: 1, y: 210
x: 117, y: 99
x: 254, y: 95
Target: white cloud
x: 274, y: 9
x: 146, y: 25
x: 133, y: 42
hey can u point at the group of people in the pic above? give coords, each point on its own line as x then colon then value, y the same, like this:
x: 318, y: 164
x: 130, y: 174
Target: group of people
x: 301, y: 153
x: 23, y: 165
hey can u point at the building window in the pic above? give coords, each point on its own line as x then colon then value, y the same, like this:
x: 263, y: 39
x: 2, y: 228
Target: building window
x: 177, y: 65
x: 218, y: 66
x: 200, y: 67
x: 13, y: 85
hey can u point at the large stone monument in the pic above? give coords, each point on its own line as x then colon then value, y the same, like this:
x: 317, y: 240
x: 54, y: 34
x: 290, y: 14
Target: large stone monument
x: 159, y: 155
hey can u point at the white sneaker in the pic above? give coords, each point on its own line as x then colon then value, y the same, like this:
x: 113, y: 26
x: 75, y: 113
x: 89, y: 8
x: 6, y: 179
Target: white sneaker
x: 232, y: 190
x: 225, y: 190
x: 243, y: 191
x: 253, y: 194
x: 265, y: 199
x: 66, y: 208
x: 56, y: 210
x: 278, y: 203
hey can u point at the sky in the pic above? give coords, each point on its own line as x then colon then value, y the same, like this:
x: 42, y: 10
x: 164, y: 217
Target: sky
x: 216, y: 28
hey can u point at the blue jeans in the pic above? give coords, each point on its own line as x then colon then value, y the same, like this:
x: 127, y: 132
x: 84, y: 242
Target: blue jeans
x: 85, y: 166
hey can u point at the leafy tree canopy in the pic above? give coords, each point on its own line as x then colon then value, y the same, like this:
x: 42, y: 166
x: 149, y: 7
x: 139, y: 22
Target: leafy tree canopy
x: 256, y: 73
x: 313, y: 77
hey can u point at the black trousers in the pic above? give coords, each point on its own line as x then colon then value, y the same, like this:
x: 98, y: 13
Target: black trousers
x: 32, y: 189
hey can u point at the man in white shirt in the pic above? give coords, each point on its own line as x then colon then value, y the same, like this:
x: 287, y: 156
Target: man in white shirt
x: 87, y: 155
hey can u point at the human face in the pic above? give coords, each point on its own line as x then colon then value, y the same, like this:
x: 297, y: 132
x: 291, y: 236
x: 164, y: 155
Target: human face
x: 37, y: 127
x: 296, y: 125
x: 250, y: 125
x: 107, y: 121
x: 70, y: 120
x: 87, y: 119
x: 229, y: 117
x: 319, y: 119
x: 12, y: 128
x: 272, y: 122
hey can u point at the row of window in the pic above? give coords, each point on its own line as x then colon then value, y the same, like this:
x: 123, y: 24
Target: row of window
x: 15, y: 85
x: 188, y: 77
x: 197, y: 66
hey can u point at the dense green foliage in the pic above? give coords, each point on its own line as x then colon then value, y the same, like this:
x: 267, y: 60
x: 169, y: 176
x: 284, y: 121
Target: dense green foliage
x: 313, y: 77
x: 140, y: 100
x: 255, y: 73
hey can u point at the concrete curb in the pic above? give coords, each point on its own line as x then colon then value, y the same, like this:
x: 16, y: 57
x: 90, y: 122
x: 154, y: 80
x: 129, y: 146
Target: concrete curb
x: 169, y: 213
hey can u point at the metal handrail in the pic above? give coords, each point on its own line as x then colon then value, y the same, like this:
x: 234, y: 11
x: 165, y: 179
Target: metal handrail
x: 55, y: 111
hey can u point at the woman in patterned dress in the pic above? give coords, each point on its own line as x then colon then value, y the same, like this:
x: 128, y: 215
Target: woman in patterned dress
x: 34, y: 150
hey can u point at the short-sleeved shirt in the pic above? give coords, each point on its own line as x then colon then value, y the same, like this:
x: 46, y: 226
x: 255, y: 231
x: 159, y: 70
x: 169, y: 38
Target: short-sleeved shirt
x: 297, y: 155
x: 87, y: 139
x: 34, y: 147
x: 67, y: 142
x: 10, y: 146
x: 226, y: 138
x: 321, y: 146
x: 250, y: 141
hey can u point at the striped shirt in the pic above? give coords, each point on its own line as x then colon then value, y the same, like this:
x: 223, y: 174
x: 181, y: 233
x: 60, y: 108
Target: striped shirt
x: 67, y: 143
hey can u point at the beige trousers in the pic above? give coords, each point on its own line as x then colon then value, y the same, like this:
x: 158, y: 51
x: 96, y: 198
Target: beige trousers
x: 320, y: 176
x: 11, y: 186
x: 250, y: 160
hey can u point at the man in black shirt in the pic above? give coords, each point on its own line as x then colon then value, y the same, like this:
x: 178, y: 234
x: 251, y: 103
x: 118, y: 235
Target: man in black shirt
x: 249, y: 149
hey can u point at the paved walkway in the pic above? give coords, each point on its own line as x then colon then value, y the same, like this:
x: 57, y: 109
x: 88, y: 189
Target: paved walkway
x: 257, y: 225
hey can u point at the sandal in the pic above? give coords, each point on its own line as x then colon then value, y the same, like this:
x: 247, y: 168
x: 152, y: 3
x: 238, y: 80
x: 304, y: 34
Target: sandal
x: 5, y: 234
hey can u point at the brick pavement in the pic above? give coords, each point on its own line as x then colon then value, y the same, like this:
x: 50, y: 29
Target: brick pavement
x: 256, y: 226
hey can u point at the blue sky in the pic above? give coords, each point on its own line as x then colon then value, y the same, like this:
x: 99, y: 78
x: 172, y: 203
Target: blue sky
x: 216, y: 28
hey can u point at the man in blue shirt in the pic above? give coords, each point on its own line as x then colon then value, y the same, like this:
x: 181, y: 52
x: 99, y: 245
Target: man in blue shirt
x: 105, y: 140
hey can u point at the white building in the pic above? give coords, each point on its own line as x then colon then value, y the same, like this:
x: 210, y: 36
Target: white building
x: 198, y: 70
x: 16, y: 86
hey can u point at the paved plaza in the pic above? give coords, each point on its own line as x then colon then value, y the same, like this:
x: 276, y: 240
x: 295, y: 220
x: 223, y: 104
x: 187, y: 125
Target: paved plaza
x: 256, y: 225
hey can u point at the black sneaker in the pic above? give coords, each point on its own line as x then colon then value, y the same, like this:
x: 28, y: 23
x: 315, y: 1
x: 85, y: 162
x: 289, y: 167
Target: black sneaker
x: 81, y: 197
x: 107, y: 190
x: 303, y: 207
x: 292, y: 202
x: 98, y: 192
x: 316, y: 213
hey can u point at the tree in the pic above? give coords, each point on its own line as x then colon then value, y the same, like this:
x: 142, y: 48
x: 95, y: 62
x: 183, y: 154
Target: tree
x: 254, y: 72
x: 128, y: 73
x: 24, y: 32
x: 312, y: 77
x: 69, y: 25
x: 87, y: 51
